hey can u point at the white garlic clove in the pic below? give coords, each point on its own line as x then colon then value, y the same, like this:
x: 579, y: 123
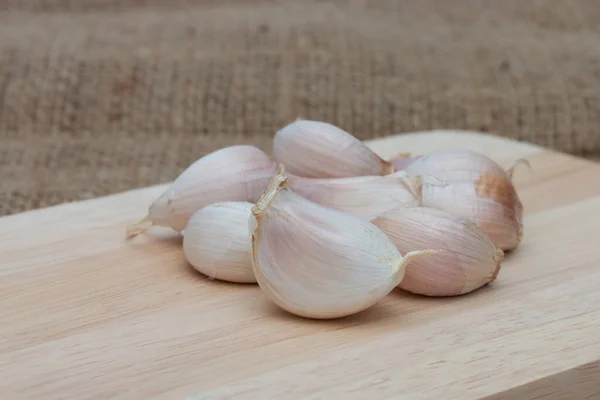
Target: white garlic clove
x: 474, y: 187
x: 318, y: 262
x: 217, y: 242
x: 235, y: 173
x: 362, y: 196
x: 467, y: 260
x: 314, y: 149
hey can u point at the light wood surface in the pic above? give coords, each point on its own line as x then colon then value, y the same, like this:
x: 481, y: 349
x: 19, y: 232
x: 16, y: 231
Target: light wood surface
x: 89, y: 315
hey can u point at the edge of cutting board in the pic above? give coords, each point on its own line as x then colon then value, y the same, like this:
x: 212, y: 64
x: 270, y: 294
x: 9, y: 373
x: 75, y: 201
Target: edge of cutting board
x: 496, y: 147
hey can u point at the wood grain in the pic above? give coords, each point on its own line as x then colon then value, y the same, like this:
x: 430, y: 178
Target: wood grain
x: 88, y: 315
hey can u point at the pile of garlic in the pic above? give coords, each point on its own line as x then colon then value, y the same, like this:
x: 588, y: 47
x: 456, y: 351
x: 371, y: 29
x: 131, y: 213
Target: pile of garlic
x: 327, y: 228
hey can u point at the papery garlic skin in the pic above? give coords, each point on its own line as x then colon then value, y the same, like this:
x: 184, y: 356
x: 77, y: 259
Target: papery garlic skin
x: 402, y: 160
x: 217, y: 242
x: 235, y: 173
x: 314, y: 149
x: 474, y: 187
x: 318, y: 262
x: 467, y: 260
x: 363, y: 196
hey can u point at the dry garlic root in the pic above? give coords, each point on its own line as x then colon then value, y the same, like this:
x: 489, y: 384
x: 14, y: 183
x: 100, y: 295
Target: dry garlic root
x: 217, y: 242
x: 475, y: 187
x: 313, y: 149
x: 318, y: 262
x: 467, y: 261
x: 235, y: 173
x: 363, y: 196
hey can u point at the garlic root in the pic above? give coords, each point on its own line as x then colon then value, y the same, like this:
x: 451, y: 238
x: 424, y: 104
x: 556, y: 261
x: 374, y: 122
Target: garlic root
x: 139, y: 227
x: 521, y: 161
x: 412, y: 256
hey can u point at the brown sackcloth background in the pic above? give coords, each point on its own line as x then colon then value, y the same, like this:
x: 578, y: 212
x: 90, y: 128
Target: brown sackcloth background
x: 101, y: 96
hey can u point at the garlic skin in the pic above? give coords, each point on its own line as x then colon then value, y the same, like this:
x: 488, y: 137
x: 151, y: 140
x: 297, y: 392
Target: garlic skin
x: 314, y: 149
x: 476, y: 187
x: 318, y: 262
x: 363, y: 196
x: 467, y: 260
x: 217, y: 242
x: 402, y: 160
x: 235, y: 173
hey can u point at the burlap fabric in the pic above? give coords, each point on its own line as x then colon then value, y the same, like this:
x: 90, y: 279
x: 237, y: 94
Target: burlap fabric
x: 101, y: 96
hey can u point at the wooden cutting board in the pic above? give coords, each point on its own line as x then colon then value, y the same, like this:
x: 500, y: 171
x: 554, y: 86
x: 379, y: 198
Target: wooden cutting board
x: 86, y: 314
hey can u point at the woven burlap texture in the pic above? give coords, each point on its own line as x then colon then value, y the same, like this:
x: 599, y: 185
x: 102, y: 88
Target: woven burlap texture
x: 101, y: 96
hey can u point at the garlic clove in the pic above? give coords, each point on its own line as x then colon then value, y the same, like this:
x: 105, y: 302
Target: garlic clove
x: 454, y: 165
x: 314, y: 149
x: 319, y: 262
x: 467, y: 260
x: 476, y: 187
x: 217, y: 243
x: 496, y: 209
x: 235, y: 173
x: 362, y: 196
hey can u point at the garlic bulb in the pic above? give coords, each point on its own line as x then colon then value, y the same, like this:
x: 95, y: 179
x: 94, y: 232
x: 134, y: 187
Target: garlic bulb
x: 235, y: 173
x: 313, y: 149
x: 467, y: 259
x: 362, y: 196
x: 318, y: 262
x: 475, y: 187
x: 217, y: 242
